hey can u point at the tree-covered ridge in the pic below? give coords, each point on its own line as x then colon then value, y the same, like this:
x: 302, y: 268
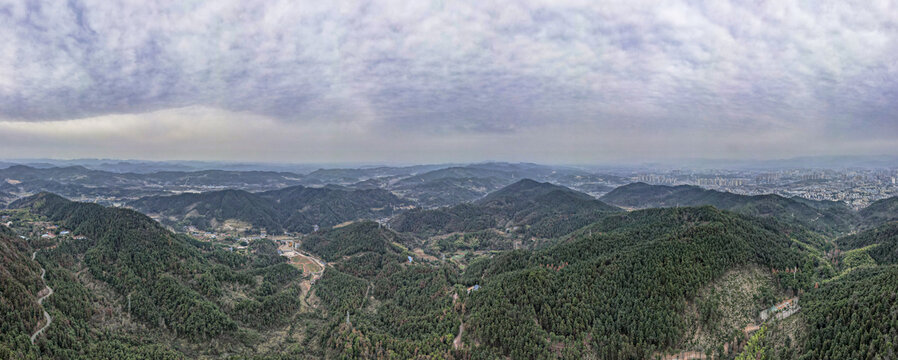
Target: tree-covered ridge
x: 170, y: 283
x: 215, y: 205
x: 881, y: 243
x: 854, y: 316
x: 20, y: 283
x: 541, y: 209
x: 617, y: 289
x: 294, y: 208
x: 879, y: 212
x: 5, y: 198
x: 825, y: 217
x: 359, y: 237
x: 304, y: 207
x: 446, y: 191
x: 403, y: 311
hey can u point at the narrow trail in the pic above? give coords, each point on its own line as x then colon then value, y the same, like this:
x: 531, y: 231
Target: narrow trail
x: 40, y: 302
x: 457, y: 344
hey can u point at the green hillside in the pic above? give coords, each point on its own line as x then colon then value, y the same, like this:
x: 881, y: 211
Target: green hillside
x: 880, y: 212
x: 204, y: 209
x: 854, y: 317
x: 20, y: 283
x: 825, y: 217
x: 304, y: 207
x: 541, y: 209
x: 157, y: 287
x: 619, y: 288
x: 295, y: 209
x: 880, y: 243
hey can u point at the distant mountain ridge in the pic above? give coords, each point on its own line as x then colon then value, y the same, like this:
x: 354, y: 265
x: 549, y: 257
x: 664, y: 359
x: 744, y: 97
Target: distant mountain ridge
x: 295, y: 208
x: 827, y: 217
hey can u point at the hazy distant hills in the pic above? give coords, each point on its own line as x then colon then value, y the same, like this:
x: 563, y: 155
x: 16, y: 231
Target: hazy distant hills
x: 296, y: 208
x: 454, y: 185
x: 5, y: 198
x: 828, y: 217
x: 425, y: 185
x: 543, y: 209
x: 75, y: 180
x: 447, y: 191
x: 350, y: 176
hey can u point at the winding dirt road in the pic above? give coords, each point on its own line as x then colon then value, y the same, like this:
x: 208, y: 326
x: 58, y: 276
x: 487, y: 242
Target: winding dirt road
x: 40, y: 302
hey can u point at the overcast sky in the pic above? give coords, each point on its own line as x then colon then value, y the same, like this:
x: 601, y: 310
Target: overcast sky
x: 436, y: 81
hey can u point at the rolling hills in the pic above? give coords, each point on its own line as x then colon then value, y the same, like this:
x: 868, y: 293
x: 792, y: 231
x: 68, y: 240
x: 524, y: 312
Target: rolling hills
x: 617, y: 288
x: 295, y: 209
x: 540, y: 209
x: 824, y: 217
x: 169, y: 296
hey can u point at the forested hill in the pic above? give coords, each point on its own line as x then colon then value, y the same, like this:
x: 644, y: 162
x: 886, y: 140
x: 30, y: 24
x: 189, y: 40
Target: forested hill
x: 294, y: 208
x: 879, y: 244
x: 210, y: 209
x: 355, y: 238
x: 5, y: 198
x: 880, y: 212
x: 174, y: 284
x: 824, y: 217
x: 135, y: 255
x: 304, y: 207
x: 20, y: 282
x: 620, y: 287
x: 541, y: 209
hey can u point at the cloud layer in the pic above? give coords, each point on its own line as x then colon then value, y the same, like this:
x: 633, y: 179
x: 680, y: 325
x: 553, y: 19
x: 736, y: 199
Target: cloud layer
x: 390, y: 79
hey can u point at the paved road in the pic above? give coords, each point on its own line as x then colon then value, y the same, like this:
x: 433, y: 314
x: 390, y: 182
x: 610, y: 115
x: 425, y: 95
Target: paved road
x: 40, y: 302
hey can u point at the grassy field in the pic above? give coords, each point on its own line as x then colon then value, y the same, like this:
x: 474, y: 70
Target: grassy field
x: 306, y: 264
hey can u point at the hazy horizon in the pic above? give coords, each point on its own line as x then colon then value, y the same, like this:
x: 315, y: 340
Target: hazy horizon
x: 812, y: 162
x: 438, y: 82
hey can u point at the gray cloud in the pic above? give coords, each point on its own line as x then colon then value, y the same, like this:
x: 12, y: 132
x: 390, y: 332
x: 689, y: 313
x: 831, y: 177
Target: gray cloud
x: 787, y: 70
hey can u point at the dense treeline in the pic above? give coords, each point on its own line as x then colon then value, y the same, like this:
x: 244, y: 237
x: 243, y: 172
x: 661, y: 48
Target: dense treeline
x: 534, y: 209
x: 165, y: 281
x: 413, y: 314
x: 880, y: 212
x: 295, y: 208
x: 341, y: 292
x: 620, y: 287
x: 200, y: 209
x: 20, y: 283
x: 408, y: 311
x: 882, y: 242
x: 854, y: 317
x: 363, y: 236
x: 825, y: 217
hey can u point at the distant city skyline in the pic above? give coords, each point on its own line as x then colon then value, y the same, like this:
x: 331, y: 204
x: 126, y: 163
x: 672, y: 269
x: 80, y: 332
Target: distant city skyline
x: 558, y: 82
